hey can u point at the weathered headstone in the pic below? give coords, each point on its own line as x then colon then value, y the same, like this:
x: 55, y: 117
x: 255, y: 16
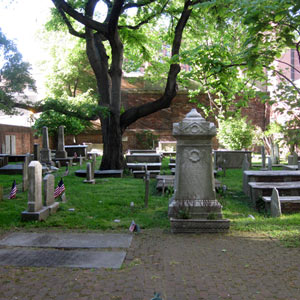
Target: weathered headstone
x: 89, y: 174
x: 290, y: 160
x: 61, y: 152
x: 275, y: 204
x: 263, y: 157
x: 58, y: 164
x: 36, y: 152
x: 45, y: 151
x: 94, y: 156
x: 25, y: 173
x: 35, y: 210
x: 48, y: 193
x: 246, y: 164
x: 295, y: 159
x: 194, y: 182
x: 269, y: 163
x: 80, y: 160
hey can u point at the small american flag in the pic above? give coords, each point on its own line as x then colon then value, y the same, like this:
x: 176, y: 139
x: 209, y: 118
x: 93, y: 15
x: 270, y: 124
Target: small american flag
x: 13, y: 191
x: 132, y: 226
x: 59, y: 189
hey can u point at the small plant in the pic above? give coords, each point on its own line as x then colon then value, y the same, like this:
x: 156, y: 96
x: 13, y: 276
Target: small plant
x: 182, y: 209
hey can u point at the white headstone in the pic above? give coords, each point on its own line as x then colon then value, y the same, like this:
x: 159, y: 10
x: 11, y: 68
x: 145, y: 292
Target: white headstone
x: 35, y: 186
x: 275, y: 204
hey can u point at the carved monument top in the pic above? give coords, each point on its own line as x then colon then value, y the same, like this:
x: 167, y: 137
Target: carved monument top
x: 194, y: 124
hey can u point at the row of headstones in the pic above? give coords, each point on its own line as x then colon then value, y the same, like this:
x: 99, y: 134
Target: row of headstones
x: 40, y: 205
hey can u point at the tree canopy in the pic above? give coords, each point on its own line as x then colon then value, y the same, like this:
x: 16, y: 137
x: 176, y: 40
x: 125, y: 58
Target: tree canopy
x: 14, y: 75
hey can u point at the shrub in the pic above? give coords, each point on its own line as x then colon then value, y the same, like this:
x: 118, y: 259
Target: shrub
x: 235, y: 133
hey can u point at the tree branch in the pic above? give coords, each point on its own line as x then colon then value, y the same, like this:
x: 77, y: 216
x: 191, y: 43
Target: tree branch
x: 61, y: 4
x: 283, y: 62
x: 134, y: 113
x: 137, y: 4
x: 147, y: 20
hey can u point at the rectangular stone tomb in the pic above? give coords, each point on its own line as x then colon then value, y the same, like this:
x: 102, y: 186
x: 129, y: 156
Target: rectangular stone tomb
x: 145, y: 151
x: 101, y: 174
x: 68, y: 240
x: 261, y: 189
x: 142, y: 166
x: 79, y: 149
x: 268, y: 176
x: 143, y: 158
x: 61, y: 258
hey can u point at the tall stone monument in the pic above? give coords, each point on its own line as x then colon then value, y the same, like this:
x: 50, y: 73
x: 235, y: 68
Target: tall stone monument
x: 61, y: 152
x: 45, y: 151
x: 193, y: 207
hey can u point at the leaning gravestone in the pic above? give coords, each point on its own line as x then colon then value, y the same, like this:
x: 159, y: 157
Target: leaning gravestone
x: 275, y: 204
x: 194, y: 191
x: 61, y: 152
x: 48, y: 193
x: 89, y: 174
x: 45, y: 151
x: 35, y: 210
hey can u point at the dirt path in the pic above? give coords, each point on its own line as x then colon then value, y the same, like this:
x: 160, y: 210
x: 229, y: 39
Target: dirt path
x: 206, y: 266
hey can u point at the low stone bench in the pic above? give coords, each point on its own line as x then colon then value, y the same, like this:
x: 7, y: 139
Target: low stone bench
x: 101, y: 173
x: 261, y: 189
x: 288, y: 203
x: 172, y: 165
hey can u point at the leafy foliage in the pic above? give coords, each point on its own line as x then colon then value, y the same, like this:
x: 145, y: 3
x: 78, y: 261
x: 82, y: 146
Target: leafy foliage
x: 14, y: 75
x: 235, y: 133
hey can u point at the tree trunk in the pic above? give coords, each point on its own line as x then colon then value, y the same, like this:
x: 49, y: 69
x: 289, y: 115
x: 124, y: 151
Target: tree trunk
x: 112, y: 144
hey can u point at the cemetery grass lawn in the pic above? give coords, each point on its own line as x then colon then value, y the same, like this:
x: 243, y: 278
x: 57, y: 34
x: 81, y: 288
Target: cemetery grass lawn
x: 91, y: 207
x: 237, y: 208
x: 106, y: 206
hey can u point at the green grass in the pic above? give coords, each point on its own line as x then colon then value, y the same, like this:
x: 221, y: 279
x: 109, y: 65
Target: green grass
x: 98, y: 206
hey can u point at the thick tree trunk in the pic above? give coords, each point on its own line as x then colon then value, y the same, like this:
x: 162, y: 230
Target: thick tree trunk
x: 112, y: 144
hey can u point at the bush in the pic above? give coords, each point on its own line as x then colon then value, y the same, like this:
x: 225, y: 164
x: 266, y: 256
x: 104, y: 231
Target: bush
x: 235, y: 133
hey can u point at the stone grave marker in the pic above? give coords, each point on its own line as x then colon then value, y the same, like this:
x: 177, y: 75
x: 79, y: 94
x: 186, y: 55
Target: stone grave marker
x: 48, y: 193
x: 25, y: 173
x: 263, y: 157
x: 147, y: 182
x: 275, y: 204
x: 58, y: 164
x: 36, y: 152
x: 246, y: 164
x: 194, y: 191
x: 35, y: 210
x: 80, y: 160
x: 269, y: 163
x: 295, y: 159
x: 94, y: 156
x: 45, y: 151
x: 89, y: 174
x: 61, y: 152
x: 276, y: 156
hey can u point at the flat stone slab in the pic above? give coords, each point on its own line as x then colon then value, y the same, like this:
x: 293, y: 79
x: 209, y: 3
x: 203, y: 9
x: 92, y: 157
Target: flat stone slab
x: 12, y: 169
x: 101, y: 174
x: 61, y: 258
x: 67, y: 240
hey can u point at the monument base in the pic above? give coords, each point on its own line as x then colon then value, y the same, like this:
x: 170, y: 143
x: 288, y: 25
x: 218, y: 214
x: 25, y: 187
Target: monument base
x: 195, y: 209
x: 53, y: 208
x: 61, y: 154
x: 40, y: 215
x: 199, y: 226
x: 89, y: 181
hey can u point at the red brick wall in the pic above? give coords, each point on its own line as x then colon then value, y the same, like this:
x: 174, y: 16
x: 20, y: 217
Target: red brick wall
x: 24, y: 138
